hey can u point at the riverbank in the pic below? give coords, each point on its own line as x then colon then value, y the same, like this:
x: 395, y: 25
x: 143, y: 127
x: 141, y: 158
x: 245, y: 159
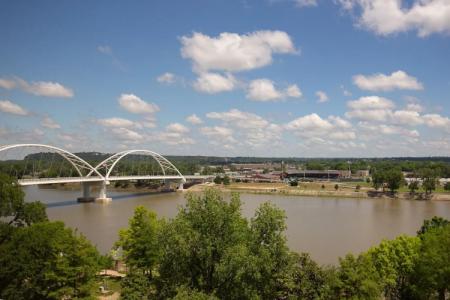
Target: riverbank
x: 318, y: 189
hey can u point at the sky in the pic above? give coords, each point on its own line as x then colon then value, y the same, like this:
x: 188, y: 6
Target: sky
x: 272, y: 78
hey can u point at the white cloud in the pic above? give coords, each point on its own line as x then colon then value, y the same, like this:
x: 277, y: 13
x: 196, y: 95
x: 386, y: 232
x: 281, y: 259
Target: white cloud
x: 193, y: 119
x: 406, y: 117
x: 414, y: 107
x: 177, y: 127
x: 9, y: 107
x: 7, y: 84
x: 239, y: 119
x: 218, y: 133
x: 437, y: 121
x: 167, y: 78
x: 116, y: 122
x: 306, y: 3
x: 46, y: 89
x: 127, y: 134
x: 379, y: 115
x: 265, y: 90
x: 371, y: 102
x: 293, y: 91
x: 386, y: 17
x: 48, y: 122
x: 339, y: 122
x: 311, y: 122
x: 212, y: 83
x: 321, y: 96
x: 233, y: 52
x: 136, y: 105
x: 381, y: 82
x: 104, y: 49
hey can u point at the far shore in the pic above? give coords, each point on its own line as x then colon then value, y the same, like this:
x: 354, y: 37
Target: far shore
x: 345, y: 190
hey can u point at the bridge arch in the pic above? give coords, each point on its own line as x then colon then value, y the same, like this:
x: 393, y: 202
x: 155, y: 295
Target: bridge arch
x: 110, y: 163
x: 78, y: 163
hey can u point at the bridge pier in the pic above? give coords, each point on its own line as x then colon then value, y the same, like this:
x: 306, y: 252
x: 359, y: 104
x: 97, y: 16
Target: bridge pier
x: 102, y: 193
x: 87, y: 193
x: 181, y: 186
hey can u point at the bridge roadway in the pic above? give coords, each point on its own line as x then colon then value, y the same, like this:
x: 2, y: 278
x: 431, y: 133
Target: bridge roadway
x: 37, y: 181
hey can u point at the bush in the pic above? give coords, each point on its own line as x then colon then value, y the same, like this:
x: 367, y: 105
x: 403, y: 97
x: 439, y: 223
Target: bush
x: 293, y: 183
x: 218, y: 180
x: 336, y: 186
x: 447, y: 186
x: 358, y: 187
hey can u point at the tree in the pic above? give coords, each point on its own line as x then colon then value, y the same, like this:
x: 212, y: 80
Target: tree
x: 447, y: 186
x: 226, y: 180
x: 47, y: 261
x: 140, y: 241
x: 378, y: 179
x: 435, y: 222
x: 428, y: 180
x: 413, y: 186
x: 394, y: 179
x: 218, y: 180
x: 293, y: 183
x: 356, y: 278
x: 336, y: 186
x: 432, y: 272
x: 394, y: 261
x: 135, y: 286
x: 14, y: 211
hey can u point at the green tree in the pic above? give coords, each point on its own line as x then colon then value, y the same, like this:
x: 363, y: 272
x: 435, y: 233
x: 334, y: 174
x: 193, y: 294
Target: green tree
x: 135, y: 286
x: 413, y: 186
x: 47, y: 261
x: 394, y: 179
x: 435, y: 222
x: 356, y: 278
x: 394, y: 261
x: 378, y: 179
x: 429, y: 180
x: 226, y: 180
x: 14, y: 211
x: 218, y: 180
x: 140, y: 241
x: 447, y: 186
x: 432, y: 273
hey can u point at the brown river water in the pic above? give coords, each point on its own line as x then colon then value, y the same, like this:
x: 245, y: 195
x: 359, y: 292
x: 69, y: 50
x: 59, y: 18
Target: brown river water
x: 327, y: 228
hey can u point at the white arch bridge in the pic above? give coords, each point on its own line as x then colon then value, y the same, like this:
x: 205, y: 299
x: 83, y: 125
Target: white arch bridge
x: 104, y: 172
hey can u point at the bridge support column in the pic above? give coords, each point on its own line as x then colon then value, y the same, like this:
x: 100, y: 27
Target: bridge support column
x: 86, y: 193
x: 102, y: 193
x: 181, y: 186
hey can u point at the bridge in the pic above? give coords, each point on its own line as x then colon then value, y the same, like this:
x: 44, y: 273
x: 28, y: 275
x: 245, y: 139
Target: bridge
x: 102, y: 174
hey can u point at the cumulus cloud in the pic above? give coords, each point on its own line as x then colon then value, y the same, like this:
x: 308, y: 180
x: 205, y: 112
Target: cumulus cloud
x: 38, y: 88
x: 407, y: 117
x: 136, y: 105
x: 48, y: 122
x: 321, y: 96
x: 127, y: 134
x: 305, y: 3
x: 7, y: 83
x: 265, y: 90
x: 177, y: 127
x: 414, y: 107
x: 115, y: 122
x: 239, y: 118
x: 381, y: 82
x: 193, y: 119
x: 370, y: 108
x: 9, y: 107
x: 167, y: 78
x: 219, y: 133
x: 437, y: 121
x: 386, y: 17
x: 213, y: 83
x: 233, y: 52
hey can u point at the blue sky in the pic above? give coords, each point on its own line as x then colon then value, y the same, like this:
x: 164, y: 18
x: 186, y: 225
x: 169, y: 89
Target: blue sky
x: 251, y: 78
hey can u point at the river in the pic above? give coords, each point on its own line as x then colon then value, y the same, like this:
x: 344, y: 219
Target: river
x: 327, y: 228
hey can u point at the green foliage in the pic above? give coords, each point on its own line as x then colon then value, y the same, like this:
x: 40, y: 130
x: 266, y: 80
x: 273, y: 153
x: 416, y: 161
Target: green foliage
x: 413, y: 186
x: 140, y: 241
x: 293, y: 183
x: 394, y: 261
x: 336, y: 186
x: 184, y: 293
x: 435, y: 222
x: 394, y: 179
x: 378, y: 179
x: 432, y: 272
x: 218, y: 179
x: 356, y: 278
x: 47, y: 261
x: 226, y: 180
x: 447, y: 186
x: 135, y: 286
x: 429, y: 180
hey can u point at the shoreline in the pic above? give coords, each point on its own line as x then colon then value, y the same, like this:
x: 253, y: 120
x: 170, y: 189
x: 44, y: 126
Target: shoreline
x: 291, y: 191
